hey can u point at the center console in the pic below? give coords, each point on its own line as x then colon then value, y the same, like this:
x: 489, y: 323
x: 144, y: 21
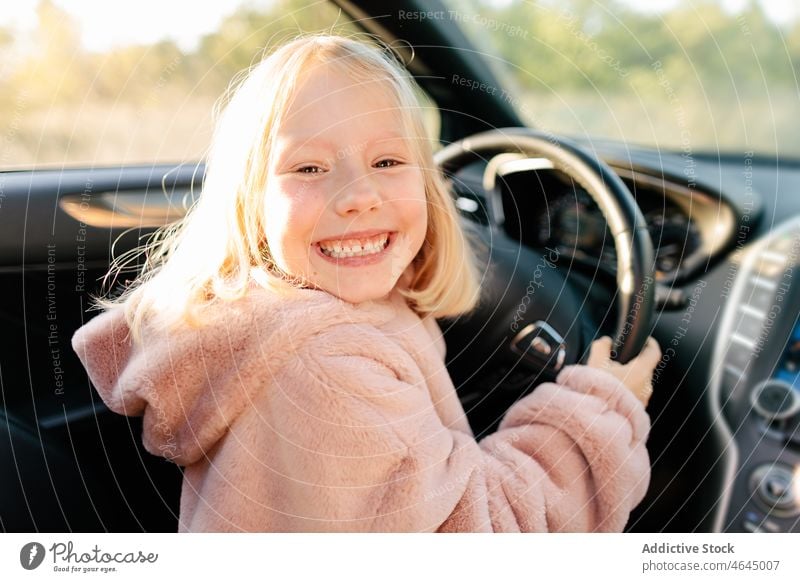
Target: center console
x: 755, y: 389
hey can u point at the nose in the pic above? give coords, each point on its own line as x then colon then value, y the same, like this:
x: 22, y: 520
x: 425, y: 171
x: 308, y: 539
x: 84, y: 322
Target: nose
x: 360, y: 195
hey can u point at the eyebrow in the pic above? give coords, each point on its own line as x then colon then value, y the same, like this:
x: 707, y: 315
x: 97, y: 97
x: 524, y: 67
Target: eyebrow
x: 296, y: 142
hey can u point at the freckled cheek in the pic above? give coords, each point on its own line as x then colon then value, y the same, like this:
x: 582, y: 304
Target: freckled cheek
x: 289, y: 228
x: 416, y: 204
x: 420, y: 221
x: 405, y: 187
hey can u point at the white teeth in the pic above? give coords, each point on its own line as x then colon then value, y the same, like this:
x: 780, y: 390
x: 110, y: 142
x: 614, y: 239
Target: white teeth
x: 352, y: 248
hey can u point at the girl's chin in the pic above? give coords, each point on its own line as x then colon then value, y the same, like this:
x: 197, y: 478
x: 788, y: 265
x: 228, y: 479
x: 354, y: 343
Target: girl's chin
x: 360, y: 297
x: 359, y: 294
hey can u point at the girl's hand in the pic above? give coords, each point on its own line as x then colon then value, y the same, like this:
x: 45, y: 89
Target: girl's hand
x: 637, y: 374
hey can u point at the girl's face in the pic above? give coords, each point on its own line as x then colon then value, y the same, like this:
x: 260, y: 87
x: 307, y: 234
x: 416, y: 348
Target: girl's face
x: 345, y: 205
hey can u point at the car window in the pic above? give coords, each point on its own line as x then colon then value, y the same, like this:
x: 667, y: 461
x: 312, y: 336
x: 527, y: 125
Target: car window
x: 678, y: 74
x: 105, y: 83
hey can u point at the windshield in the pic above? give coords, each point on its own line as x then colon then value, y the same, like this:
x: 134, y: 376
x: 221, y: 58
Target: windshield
x: 700, y: 75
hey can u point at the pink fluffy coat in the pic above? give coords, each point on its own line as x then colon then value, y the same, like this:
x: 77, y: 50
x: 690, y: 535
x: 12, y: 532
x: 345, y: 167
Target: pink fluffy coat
x: 313, y: 414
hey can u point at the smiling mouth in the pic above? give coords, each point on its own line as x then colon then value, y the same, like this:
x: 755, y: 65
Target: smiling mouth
x: 346, y: 248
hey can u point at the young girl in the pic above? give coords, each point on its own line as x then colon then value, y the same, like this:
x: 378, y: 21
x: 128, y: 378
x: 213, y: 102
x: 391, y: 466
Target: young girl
x: 282, y: 346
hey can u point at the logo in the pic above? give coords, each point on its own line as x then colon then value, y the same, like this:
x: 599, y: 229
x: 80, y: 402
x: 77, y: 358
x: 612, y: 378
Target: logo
x: 31, y: 555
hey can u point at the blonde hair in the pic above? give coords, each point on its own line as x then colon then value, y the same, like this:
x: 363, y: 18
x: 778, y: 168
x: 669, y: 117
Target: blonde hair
x: 210, y: 253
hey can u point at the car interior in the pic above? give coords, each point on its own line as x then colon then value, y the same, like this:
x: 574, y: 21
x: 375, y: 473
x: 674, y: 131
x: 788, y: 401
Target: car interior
x: 578, y: 238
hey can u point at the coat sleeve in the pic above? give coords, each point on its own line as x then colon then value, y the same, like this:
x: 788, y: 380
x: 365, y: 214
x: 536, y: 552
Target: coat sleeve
x: 364, y: 450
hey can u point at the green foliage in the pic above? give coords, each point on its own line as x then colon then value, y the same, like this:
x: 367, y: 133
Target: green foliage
x: 572, y: 42
x: 694, y: 77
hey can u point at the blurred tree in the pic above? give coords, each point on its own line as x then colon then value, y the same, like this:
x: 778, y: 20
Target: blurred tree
x: 53, y: 71
x: 566, y: 55
x: 244, y: 36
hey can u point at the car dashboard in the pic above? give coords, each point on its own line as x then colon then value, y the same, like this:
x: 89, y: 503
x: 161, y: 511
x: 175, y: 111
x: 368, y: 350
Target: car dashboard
x: 542, y: 207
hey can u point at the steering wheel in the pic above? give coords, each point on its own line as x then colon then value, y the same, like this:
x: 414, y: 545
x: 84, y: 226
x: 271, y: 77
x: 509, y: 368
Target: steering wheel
x: 529, y: 313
